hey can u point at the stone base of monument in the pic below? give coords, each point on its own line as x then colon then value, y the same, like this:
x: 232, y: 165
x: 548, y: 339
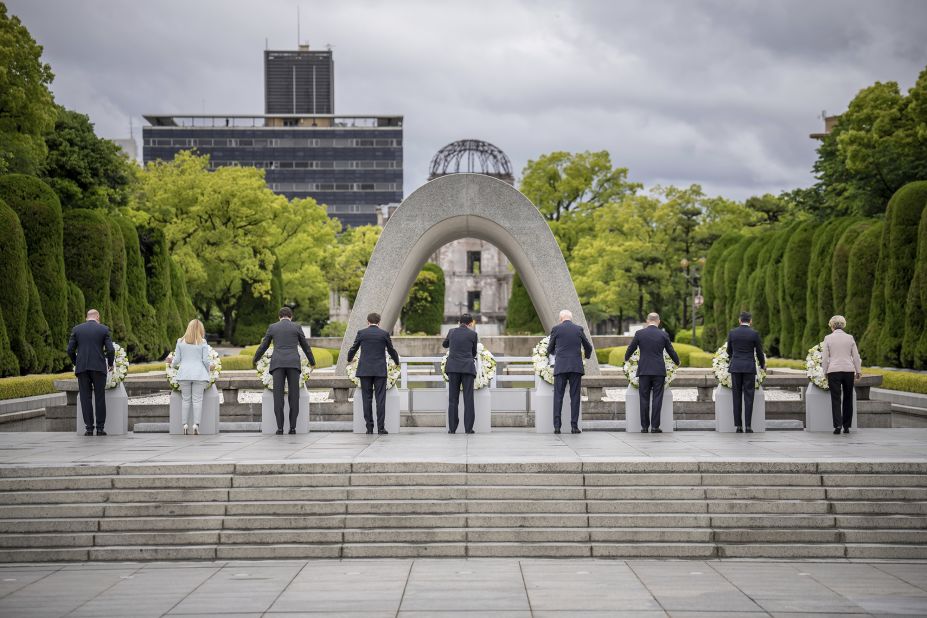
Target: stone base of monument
x: 724, y: 411
x: 509, y: 399
x: 269, y: 420
x: 818, y: 416
x: 632, y: 411
x: 209, y: 418
x: 482, y: 412
x: 393, y: 409
x: 117, y: 412
x: 542, y: 404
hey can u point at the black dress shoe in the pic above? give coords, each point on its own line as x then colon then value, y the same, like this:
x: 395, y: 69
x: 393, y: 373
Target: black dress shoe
x: 292, y: 432
x: 382, y: 432
x: 656, y: 430
x: 369, y: 431
x: 748, y: 430
x: 100, y: 432
x: 645, y: 429
x: 576, y: 430
x: 279, y: 432
x: 837, y: 431
x: 471, y: 431
x: 89, y: 432
x: 739, y: 430
x: 557, y: 430
x: 452, y: 431
x: 846, y: 430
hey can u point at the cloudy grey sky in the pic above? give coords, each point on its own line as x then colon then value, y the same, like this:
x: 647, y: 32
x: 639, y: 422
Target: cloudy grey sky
x: 722, y: 93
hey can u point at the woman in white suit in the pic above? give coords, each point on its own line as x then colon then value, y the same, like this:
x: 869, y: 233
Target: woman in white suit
x: 191, y: 358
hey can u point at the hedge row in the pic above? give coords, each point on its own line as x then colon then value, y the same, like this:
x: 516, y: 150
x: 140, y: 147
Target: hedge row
x: 56, y: 264
x: 794, y: 278
x: 324, y: 357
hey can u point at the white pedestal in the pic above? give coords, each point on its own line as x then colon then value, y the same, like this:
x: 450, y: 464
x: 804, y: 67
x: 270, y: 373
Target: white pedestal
x: 482, y: 411
x: 818, y: 415
x: 724, y: 411
x: 117, y: 412
x: 393, y: 410
x: 542, y: 404
x: 209, y: 418
x: 269, y: 421
x: 632, y: 411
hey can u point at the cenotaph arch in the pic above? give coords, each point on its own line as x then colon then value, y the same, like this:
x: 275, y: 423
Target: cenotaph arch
x: 464, y: 206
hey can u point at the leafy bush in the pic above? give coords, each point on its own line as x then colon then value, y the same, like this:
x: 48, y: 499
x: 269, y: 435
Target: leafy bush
x: 616, y: 357
x: 88, y: 258
x: 15, y: 275
x: 861, y: 280
x: 685, y: 335
x: 700, y: 359
x: 236, y: 362
x: 334, y: 329
x: 424, y: 308
x: 324, y: 357
x: 145, y: 339
x: 914, y: 346
x: 602, y: 354
x: 256, y: 313
x: 30, y: 385
x: 335, y: 352
x: 785, y: 363
x: 906, y: 381
x: 793, y: 285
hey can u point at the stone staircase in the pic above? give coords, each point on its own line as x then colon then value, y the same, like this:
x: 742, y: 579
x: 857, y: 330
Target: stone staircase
x: 667, y: 509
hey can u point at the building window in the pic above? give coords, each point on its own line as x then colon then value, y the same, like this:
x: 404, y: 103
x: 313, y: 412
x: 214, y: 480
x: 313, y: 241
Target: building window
x: 473, y: 302
x: 473, y: 262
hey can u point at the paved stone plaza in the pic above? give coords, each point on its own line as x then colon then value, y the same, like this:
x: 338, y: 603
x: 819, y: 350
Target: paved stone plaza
x: 426, y: 445
x: 467, y: 588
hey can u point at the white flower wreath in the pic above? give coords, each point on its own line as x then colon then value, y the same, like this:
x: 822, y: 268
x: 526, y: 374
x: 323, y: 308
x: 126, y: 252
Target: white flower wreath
x: 393, y: 372
x: 485, y: 369
x: 814, y: 367
x: 214, y: 360
x: 120, y: 368
x: 721, y: 365
x: 541, y: 361
x: 263, y: 368
x: 630, y: 369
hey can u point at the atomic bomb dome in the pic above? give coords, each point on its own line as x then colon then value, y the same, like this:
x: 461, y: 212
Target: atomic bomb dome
x: 472, y: 156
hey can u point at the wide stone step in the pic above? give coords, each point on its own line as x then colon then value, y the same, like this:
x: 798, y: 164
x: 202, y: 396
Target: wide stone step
x: 781, y: 550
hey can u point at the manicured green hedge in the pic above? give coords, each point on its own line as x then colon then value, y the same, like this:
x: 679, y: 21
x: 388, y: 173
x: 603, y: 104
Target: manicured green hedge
x: 785, y: 363
x: 9, y: 366
x: 324, y: 357
x: 423, y: 311
x: 158, y: 285
x: 119, y: 321
x: 685, y: 335
x: 145, y: 340
x: 39, y: 213
x: 794, y: 281
x: 602, y: 354
x: 88, y: 257
x: 335, y: 352
x: 901, y: 380
x: 861, y: 280
x: 616, y: 356
x: 15, y: 275
x: 700, y: 359
x: 30, y: 385
x: 685, y: 352
x: 914, y: 345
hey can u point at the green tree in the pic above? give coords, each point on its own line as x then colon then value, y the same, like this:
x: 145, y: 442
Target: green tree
x: 27, y: 110
x: 14, y: 272
x: 355, y: 246
x: 769, y: 208
x: 9, y: 366
x: 521, y: 317
x: 39, y: 214
x: 793, y: 289
x: 914, y: 347
x: 88, y: 257
x: 713, y: 289
x: 423, y: 311
x: 840, y: 267
x: 568, y: 187
x: 877, y: 146
x: 118, y: 319
x: 86, y: 171
x: 147, y: 339
x: 76, y: 307
x: 158, y: 285
x: 255, y: 313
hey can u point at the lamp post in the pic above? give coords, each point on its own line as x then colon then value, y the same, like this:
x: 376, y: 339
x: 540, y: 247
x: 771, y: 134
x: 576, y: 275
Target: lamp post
x: 692, y: 271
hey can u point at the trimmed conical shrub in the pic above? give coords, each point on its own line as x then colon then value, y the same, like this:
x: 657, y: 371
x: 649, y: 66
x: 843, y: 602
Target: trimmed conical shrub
x: 903, y: 218
x: 840, y: 266
x: 14, y: 273
x: 39, y: 336
x: 914, y: 345
x: 145, y: 340
x: 182, y: 302
x: 39, y: 213
x: 77, y: 310
x: 423, y: 311
x: 713, y: 286
x: 88, y: 258
x: 119, y: 322
x: 521, y: 316
x: 158, y: 272
x: 793, y: 290
x: 9, y: 366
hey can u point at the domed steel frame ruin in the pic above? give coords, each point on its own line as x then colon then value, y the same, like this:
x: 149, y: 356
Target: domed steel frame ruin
x: 472, y: 156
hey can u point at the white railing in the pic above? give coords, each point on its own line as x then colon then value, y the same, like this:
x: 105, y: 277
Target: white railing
x: 501, y: 363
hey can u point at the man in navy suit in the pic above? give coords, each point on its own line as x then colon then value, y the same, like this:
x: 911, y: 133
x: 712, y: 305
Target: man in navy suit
x: 91, y: 350
x: 461, y: 372
x: 745, y: 349
x: 568, y: 344
x: 374, y: 343
x: 651, y: 369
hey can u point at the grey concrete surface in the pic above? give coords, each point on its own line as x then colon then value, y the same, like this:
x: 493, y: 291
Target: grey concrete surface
x: 460, y: 587
x: 434, y: 445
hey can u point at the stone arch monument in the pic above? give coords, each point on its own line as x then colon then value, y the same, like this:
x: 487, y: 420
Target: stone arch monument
x: 460, y: 206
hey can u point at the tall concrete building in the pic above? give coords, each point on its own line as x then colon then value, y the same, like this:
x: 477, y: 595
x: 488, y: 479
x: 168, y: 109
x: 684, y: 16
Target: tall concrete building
x: 477, y: 275
x: 299, y: 82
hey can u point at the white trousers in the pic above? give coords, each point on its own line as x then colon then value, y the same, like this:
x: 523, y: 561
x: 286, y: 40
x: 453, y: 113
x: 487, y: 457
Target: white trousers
x: 191, y: 392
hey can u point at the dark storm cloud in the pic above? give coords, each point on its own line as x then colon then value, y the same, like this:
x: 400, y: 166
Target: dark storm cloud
x: 715, y: 92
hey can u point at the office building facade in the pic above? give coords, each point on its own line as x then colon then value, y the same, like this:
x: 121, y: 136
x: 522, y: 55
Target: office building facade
x: 352, y: 164
x: 299, y: 82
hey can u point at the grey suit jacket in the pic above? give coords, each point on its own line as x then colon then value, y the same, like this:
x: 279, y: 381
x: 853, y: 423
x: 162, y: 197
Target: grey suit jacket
x: 287, y: 337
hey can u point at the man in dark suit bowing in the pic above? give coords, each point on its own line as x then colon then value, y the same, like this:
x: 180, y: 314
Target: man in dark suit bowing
x: 652, y: 341
x: 568, y: 345
x: 742, y: 344
x: 285, y: 365
x: 374, y: 344
x: 461, y: 372
x: 91, y: 350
